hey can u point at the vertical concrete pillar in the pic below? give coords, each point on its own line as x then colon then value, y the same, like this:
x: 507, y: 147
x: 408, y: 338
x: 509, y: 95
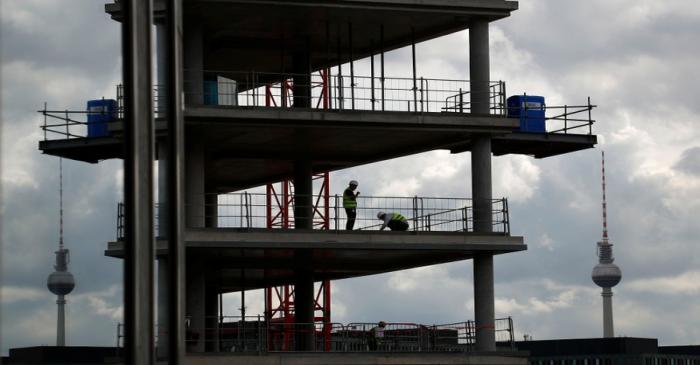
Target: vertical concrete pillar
x: 194, y: 217
x: 193, y: 51
x: 303, y: 219
x: 301, y: 86
x: 479, y: 72
x: 161, y: 155
x: 162, y: 308
x: 484, y: 307
x: 161, y: 68
x: 304, y: 301
x: 303, y: 194
x: 194, y: 181
x: 139, y: 154
x: 162, y: 273
x: 211, y: 302
x: 171, y: 61
x: 195, y: 305
x: 211, y: 209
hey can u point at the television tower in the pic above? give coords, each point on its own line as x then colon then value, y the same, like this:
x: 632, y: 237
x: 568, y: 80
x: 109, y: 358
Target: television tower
x: 61, y: 281
x: 606, y: 274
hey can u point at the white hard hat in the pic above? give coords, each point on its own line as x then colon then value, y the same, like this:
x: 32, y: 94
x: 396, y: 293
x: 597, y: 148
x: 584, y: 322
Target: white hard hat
x: 353, y: 182
x: 380, y: 214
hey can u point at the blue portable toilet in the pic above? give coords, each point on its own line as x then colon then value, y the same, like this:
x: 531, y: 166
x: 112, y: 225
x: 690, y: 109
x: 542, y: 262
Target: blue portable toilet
x: 530, y: 109
x: 211, y: 92
x: 100, y: 112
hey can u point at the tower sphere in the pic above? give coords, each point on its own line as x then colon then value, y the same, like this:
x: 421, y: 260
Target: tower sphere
x: 606, y: 275
x: 60, y: 282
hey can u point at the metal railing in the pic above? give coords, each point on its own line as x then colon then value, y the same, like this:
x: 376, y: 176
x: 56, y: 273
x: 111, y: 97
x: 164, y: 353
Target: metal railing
x: 320, y: 90
x: 253, y: 210
x: 256, y: 335
x: 331, y: 92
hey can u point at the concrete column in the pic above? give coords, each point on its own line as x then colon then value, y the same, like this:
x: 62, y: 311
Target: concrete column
x: 195, y: 304
x: 303, y: 219
x: 301, y: 86
x: 162, y: 156
x: 211, y: 209
x: 303, y: 194
x: 162, y: 308
x: 162, y: 273
x: 608, y: 328
x: 484, y: 312
x: 304, y: 301
x: 193, y: 52
x: 139, y: 154
x: 194, y: 180
x: 481, y: 183
x: 211, y: 302
x: 162, y: 69
x: 479, y: 73
x: 484, y: 307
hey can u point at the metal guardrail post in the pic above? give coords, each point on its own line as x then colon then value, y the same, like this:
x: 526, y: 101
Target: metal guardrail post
x: 381, y: 59
x: 465, y: 226
x: 461, y: 100
x: 371, y: 68
x: 422, y: 97
x: 352, y: 69
x: 590, y: 122
x: 510, y: 332
x: 67, y: 125
x: 247, y: 210
x: 45, y: 119
x: 335, y: 208
x: 413, y: 57
x: 415, y: 213
x: 506, y: 216
x: 503, y: 98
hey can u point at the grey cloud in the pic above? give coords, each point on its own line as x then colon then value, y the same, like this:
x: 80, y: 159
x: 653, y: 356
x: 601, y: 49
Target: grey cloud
x: 689, y: 162
x: 572, y: 51
x: 85, y: 41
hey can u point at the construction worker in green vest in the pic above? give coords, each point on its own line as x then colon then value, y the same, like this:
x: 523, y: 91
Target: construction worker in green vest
x: 350, y: 204
x: 395, y: 221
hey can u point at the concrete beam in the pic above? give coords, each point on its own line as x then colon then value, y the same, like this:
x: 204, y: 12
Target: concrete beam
x: 292, y: 117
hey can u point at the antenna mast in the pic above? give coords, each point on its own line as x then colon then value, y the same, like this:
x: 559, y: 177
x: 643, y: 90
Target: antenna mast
x: 605, y: 208
x: 60, y: 198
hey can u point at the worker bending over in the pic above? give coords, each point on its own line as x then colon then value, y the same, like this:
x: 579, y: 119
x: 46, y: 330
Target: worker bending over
x: 395, y: 221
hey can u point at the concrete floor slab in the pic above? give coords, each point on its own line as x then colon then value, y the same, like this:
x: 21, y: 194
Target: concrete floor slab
x: 251, y: 259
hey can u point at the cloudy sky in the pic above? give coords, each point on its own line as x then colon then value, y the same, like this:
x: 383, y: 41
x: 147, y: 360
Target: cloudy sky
x: 637, y: 59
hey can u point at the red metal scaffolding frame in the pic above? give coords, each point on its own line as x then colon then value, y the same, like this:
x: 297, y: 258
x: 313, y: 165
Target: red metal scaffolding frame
x: 279, y: 300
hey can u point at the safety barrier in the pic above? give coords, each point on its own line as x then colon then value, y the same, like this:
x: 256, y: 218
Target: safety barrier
x: 332, y: 92
x: 254, y: 210
x: 252, y: 334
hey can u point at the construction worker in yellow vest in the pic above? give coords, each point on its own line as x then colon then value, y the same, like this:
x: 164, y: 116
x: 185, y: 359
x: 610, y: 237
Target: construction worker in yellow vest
x: 350, y: 204
x: 395, y: 221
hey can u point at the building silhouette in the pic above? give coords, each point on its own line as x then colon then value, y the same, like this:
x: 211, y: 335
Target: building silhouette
x: 272, y: 99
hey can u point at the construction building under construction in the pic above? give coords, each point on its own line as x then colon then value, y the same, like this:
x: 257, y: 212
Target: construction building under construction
x: 264, y: 94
